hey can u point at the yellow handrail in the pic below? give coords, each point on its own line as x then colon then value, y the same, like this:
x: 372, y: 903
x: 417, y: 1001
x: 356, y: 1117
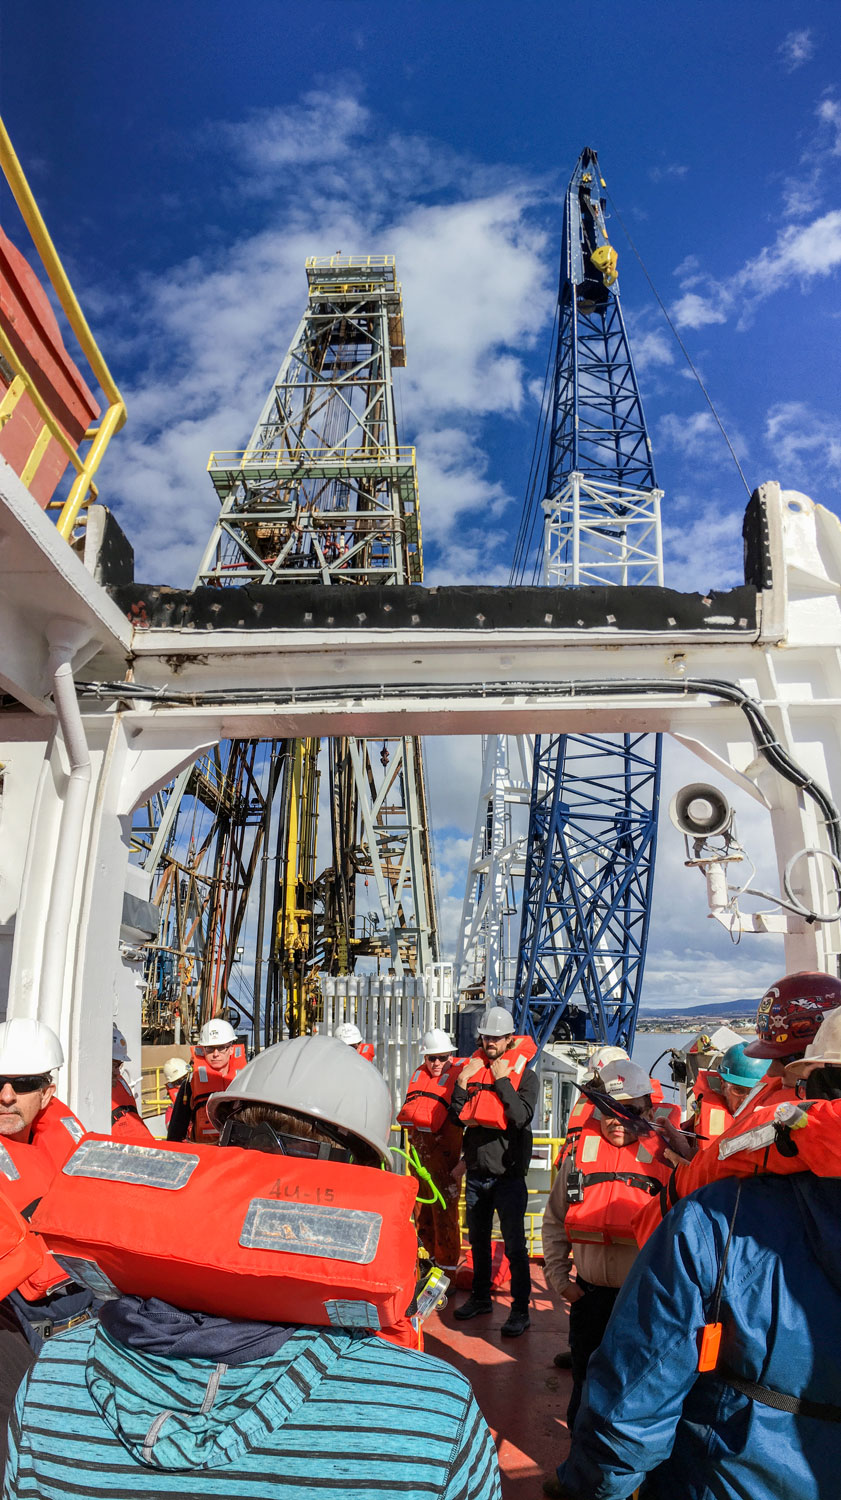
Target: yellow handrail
x: 115, y: 414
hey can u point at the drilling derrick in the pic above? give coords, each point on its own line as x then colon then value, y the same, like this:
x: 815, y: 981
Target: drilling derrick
x: 593, y: 817
x: 324, y: 494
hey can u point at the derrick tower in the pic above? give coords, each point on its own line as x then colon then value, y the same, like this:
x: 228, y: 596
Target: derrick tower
x: 589, y: 857
x: 323, y: 495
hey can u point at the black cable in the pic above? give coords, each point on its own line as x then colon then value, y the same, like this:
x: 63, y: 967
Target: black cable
x: 761, y: 729
x: 523, y: 541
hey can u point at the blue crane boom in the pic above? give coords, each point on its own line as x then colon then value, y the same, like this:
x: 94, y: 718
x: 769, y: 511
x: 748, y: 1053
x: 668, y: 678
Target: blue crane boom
x: 594, y: 800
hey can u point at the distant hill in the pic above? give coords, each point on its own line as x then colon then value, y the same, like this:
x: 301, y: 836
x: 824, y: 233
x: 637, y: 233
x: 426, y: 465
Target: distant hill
x: 723, y: 1008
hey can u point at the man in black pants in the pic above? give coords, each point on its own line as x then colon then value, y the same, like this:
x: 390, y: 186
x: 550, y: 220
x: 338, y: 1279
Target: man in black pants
x: 494, y: 1100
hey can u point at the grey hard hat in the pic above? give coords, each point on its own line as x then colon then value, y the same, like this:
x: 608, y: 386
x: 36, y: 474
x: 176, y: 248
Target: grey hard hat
x: 497, y: 1021
x: 316, y: 1076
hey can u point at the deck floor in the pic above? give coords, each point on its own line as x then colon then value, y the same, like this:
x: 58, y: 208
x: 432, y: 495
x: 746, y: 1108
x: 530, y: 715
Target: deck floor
x: 521, y: 1394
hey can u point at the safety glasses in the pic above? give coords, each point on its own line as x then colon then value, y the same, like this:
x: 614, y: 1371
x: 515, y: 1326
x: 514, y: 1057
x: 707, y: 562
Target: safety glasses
x: 26, y: 1083
x: 264, y: 1137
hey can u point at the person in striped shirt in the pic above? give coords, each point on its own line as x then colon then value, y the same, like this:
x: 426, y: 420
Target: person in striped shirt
x: 152, y: 1400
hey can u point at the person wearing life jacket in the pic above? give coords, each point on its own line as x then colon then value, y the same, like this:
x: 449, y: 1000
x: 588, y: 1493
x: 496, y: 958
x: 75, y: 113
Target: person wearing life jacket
x: 218, y: 1059
x: 494, y: 1098
x: 719, y: 1372
x: 38, y: 1132
x: 720, y: 1092
x: 175, y: 1070
x: 436, y: 1136
x: 352, y: 1037
x: 251, y: 1364
x: 126, y: 1124
x: 787, y: 1022
x: 587, y: 1223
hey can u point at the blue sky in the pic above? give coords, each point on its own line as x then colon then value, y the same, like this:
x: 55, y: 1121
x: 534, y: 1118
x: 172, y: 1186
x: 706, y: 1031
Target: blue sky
x: 189, y: 156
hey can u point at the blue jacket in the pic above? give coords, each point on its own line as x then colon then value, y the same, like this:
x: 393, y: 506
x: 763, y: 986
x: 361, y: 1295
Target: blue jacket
x: 330, y: 1412
x: 646, y: 1409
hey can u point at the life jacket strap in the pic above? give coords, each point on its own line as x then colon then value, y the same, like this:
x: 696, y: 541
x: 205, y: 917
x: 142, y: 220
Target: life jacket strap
x: 798, y: 1406
x: 651, y: 1185
x: 424, y: 1094
x: 123, y: 1109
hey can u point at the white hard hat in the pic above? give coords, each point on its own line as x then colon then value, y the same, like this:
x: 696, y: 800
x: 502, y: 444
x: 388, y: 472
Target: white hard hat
x: 623, y: 1079
x: 497, y: 1021
x: 599, y: 1059
x: 174, y: 1069
x: 435, y: 1042
x: 824, y: 1051
x: 28, y: 1046
x: 348, y: 1033
x: 317, y: 1076
x: 119, y: 1046
x: 217, y: 1033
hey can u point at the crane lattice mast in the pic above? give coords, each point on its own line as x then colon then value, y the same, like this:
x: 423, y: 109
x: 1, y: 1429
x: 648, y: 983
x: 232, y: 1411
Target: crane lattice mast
x: 594, y: 799
x: 323, y: 494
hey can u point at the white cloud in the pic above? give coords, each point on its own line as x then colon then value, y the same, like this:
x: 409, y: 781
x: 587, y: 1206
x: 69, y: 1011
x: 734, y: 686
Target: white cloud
x: 652, y: 348
x: 694, y: 311
x: 669, y: 172
x: 797, y: 48
x: 702, y: 532
x: 829, y: 114
x: 805, y: 444
x: 798, y: 254
x: 207, y: 336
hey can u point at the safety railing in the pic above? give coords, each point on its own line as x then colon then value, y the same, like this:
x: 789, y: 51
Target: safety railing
x: 284, y: 458
x: 82, y: 490
x: 533, y: 1216
x: 349, y: 262
x: 155, y: 1100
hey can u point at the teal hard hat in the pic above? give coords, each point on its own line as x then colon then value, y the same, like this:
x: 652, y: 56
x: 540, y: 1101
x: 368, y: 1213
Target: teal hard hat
x: 739, y: 1069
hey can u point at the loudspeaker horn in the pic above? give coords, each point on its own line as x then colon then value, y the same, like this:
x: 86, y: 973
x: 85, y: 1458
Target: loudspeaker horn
x: 700, y: 811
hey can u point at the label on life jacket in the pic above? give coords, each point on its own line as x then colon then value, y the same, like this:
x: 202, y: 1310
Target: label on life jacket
x: 425, y: 1105
x: 614, y: 1181
x: 56, y: 1131
x: 241, y: 1234
x: 484, y: 1106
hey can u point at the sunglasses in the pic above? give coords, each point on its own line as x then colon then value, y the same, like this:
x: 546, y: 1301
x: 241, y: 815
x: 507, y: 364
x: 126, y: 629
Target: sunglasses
x: 26, y: 1083
x: 445, y: 1057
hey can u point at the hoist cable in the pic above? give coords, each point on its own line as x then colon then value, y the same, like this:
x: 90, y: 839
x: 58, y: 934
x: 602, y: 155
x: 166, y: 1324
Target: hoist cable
x: 527, y: 516
x: 681, y: 345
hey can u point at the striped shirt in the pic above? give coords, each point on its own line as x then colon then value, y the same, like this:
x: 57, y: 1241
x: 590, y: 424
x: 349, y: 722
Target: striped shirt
x: 334, y: 1412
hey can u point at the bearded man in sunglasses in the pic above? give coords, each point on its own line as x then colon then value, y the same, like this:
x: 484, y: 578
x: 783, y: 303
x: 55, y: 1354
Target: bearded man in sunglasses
x: 600, y: 1188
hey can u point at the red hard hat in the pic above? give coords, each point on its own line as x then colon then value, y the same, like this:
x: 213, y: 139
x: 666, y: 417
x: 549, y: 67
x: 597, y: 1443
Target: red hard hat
x: 790, y: 1013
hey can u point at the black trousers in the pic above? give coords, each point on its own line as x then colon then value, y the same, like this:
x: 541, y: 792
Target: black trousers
x: 508, y: 1196
x: 588, y: 1320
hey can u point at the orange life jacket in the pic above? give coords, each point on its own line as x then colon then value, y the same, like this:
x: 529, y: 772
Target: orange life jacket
x: 126, y: 1124
x: 425, y: 1105
x: 615, y: 1182
x: 56, y: 1132
x: 367, y: 1050
x: 582, y: 1111
x: 22, y: 1252
x: 484, y: 1106
x: 708, y: 1165
x: 240, y: 1234
x: 204, y: 1082
x: 712, y: 1117
x: 25, y: 1176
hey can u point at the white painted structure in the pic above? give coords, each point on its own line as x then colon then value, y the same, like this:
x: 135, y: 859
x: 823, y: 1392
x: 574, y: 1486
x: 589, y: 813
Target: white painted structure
x: 393, y: 1013
x: 71, y: 779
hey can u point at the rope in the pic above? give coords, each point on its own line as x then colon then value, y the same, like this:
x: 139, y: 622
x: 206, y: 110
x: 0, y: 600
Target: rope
x: 681, y: 345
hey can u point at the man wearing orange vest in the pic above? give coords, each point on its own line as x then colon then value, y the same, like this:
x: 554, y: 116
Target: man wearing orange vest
x: 219, y: 1057
x: 787, y: 1022
x: 37, y: 1135
x: 126, y: 1124
x: 587, y: 1224
x: 436, y: 1137
x: 494, y: 1099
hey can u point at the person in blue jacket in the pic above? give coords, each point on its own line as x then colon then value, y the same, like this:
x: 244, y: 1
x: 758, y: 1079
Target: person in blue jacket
x: 766, y: 1421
